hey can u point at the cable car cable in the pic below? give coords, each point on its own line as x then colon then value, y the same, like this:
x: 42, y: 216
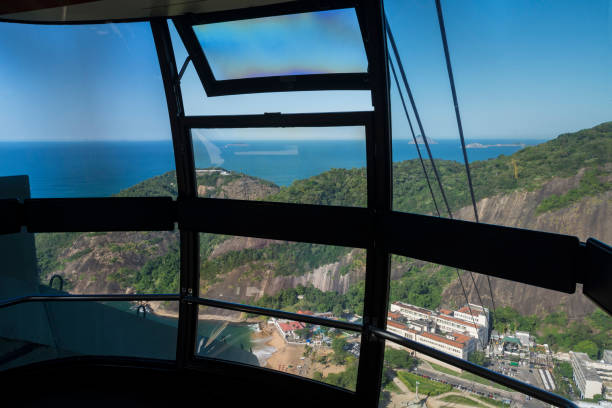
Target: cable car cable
x: 451, y: 79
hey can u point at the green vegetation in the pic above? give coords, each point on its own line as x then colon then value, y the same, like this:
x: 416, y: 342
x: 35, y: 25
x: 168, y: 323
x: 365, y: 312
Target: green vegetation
x: 345, y: 379
x: 491, y: 401
x: 78, y: 254
x: 399, y: 359
x: 426, y: 387
x: 286, y: 259
x: 561, y: 157
x: 49, y: 246
x: 159, y: 186
x: 563, y: 375
x: 478, y: 357
x: 421, y: 285
x: 315, y: 300
x: 158, y: 275
x: 590, y: 185
x: 591, y: 336
x: 459, y: 399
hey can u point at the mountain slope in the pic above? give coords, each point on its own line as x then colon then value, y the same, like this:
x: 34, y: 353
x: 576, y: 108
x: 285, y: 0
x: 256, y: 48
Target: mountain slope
x: 563, y: 185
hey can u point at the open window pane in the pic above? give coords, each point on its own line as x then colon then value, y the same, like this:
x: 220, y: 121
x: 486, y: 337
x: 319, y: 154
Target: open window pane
x: 39, y: 331
x: 312, y: 351
x: 320, y: 42
x: 321, y: 165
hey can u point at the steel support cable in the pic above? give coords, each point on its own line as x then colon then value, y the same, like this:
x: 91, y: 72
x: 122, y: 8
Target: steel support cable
x: 451, y: 80
x: 416, y: 112
x: 413, y: 136
x: 439, y: 180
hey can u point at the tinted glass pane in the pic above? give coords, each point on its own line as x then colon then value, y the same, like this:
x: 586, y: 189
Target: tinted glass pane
x: 301, y: 165
x: 109, y: 262
x: 47, y: 330
x: 84, y: 110
x: 546, y: 338
x: 317, y: 352
x: 323, y: 280
x: 414, y: 378
x: 296, y: 44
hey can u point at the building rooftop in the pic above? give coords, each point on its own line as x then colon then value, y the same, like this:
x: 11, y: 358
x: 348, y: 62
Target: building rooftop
x: 453, y: 319
x: 583, y: 360
x: 474, y: 312
x: 394, y: 316
x: 290, y: 326
x: 414, y: 308
x: 459, y: 340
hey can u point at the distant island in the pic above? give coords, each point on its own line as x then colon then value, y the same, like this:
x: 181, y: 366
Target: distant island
x: 484, y: 146
x: 420, y: 140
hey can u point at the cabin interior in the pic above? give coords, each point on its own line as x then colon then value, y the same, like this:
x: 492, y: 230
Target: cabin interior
x: 61, y: 348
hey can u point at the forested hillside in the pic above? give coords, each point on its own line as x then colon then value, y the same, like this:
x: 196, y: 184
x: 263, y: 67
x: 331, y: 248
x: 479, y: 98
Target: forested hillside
x: 549, y: 182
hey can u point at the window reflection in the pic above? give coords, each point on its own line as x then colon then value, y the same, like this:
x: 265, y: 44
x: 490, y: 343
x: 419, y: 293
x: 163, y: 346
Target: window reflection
x: 296, y: 44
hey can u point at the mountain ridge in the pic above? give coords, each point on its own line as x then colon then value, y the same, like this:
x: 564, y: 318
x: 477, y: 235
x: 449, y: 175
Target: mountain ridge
x: 509, y: 190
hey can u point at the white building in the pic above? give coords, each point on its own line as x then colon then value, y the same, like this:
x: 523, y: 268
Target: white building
x: 524, y: 338
x: 445, y: 320
x: 452, y: 324
x: 455, y: 344
x: 592, y: 377
x: 411, y: 312
x: 478, y: 315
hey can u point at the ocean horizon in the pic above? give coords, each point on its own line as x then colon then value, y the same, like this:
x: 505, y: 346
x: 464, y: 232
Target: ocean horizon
x: 103, y: 168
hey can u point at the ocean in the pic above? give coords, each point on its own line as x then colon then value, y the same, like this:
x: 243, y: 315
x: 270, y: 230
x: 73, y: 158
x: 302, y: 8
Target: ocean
x: 100, y: 169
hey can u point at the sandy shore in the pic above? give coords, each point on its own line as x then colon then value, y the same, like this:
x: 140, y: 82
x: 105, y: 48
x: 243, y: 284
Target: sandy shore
x: 290, y: 358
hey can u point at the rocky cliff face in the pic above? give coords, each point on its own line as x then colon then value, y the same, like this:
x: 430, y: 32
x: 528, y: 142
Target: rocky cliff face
x: 590, y: 217
x: 247, y: 284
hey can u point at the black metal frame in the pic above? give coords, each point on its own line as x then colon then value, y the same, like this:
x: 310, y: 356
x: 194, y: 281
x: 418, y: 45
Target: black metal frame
x: 556, y: 258
x: 284, y: 83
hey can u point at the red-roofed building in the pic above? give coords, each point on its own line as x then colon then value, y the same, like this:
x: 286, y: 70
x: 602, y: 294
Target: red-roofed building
x: 305, y: 312
x: 287, y: 327
x: 394, y: 316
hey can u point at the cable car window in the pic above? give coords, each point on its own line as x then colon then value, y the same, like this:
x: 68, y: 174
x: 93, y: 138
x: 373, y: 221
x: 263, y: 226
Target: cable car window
x: 299, y: 165
x: 320, y: 42
x: 83, y: 108
x: 317, y: 352
x: 323, y: 280
x: 39, y: 331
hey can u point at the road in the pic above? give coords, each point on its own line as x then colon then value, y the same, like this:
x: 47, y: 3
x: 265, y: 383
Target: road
x: 467, y: 385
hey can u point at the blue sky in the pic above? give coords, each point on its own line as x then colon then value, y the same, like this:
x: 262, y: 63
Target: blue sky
x: 523, y: 69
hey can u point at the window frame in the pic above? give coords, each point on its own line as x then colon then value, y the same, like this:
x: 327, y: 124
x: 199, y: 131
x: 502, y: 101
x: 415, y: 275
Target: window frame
x: 278, y: 83
x: 377, y: 228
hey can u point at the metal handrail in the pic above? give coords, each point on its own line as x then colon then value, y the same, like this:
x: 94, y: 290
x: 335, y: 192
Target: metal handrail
x: 339, y: 324
x: 498, y: 378
x: 383, y: 334
x: 61, y: 280
x: 90, y: 298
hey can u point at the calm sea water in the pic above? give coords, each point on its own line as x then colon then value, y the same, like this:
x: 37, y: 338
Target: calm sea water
x: 98, y: 169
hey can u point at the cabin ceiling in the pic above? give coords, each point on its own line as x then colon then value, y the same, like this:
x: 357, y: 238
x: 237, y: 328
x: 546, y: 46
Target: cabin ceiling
x: 74, y: 11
